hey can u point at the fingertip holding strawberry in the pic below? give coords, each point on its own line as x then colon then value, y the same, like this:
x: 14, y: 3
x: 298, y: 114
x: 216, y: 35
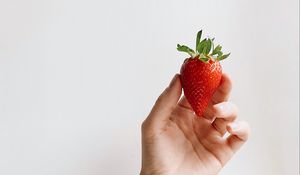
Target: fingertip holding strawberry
x: 201, y: 74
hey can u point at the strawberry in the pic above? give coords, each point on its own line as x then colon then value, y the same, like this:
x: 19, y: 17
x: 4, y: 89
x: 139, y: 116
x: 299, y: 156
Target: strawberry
x: 200, y: 75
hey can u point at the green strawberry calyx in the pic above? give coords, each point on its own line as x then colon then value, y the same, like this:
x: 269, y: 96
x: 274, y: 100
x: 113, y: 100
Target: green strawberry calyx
x: 205, y: 49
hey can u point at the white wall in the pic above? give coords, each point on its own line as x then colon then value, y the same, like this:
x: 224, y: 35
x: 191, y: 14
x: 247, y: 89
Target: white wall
x: 78, y: 77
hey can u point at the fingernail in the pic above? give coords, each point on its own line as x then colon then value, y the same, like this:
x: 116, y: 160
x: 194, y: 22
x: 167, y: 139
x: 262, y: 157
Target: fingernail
x: 234, y: 126
x: 223, y: 108
x: 173, y: 81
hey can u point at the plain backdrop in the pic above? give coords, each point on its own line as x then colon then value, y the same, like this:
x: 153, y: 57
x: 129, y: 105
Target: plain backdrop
x: 77, y: 78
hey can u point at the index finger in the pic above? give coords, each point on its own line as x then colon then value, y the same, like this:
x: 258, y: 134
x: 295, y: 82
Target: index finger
x: 165, y: 103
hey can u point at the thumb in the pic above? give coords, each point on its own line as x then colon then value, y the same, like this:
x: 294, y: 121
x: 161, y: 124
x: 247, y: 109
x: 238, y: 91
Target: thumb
x: 166, y: 102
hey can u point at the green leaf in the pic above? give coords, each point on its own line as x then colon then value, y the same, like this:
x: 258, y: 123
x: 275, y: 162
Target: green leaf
x: 183, y: 48
x: 205, y: 47
x: 199, y: 34
x: 217, y: 50
x: 201, y: 46
x: 220, y: 53
x: 222, y: 57
x: 209, y: 44
x: 203, y: 58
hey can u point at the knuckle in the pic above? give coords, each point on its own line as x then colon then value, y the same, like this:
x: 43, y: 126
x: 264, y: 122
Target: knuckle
x: 148, y: 134
x: 245, y: 129
x: 144, y: 125
x: 234, y: 109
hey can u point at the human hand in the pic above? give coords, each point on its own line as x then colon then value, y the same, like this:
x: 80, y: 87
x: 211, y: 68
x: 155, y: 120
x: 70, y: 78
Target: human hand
x: 177, y: 142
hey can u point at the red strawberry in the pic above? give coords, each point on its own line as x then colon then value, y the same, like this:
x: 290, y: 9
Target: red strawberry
x: 201, y: 74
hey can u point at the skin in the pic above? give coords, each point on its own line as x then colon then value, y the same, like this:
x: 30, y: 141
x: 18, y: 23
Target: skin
x: 177, y: 142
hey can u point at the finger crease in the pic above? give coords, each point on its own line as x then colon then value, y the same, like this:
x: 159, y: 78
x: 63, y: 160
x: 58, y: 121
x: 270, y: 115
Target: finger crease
x: 185, y: 108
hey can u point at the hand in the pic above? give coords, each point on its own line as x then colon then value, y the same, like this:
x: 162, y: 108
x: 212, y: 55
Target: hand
x: 177, y: 142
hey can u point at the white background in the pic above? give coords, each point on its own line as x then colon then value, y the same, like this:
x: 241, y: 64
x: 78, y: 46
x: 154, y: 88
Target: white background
x: 77, y: 78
